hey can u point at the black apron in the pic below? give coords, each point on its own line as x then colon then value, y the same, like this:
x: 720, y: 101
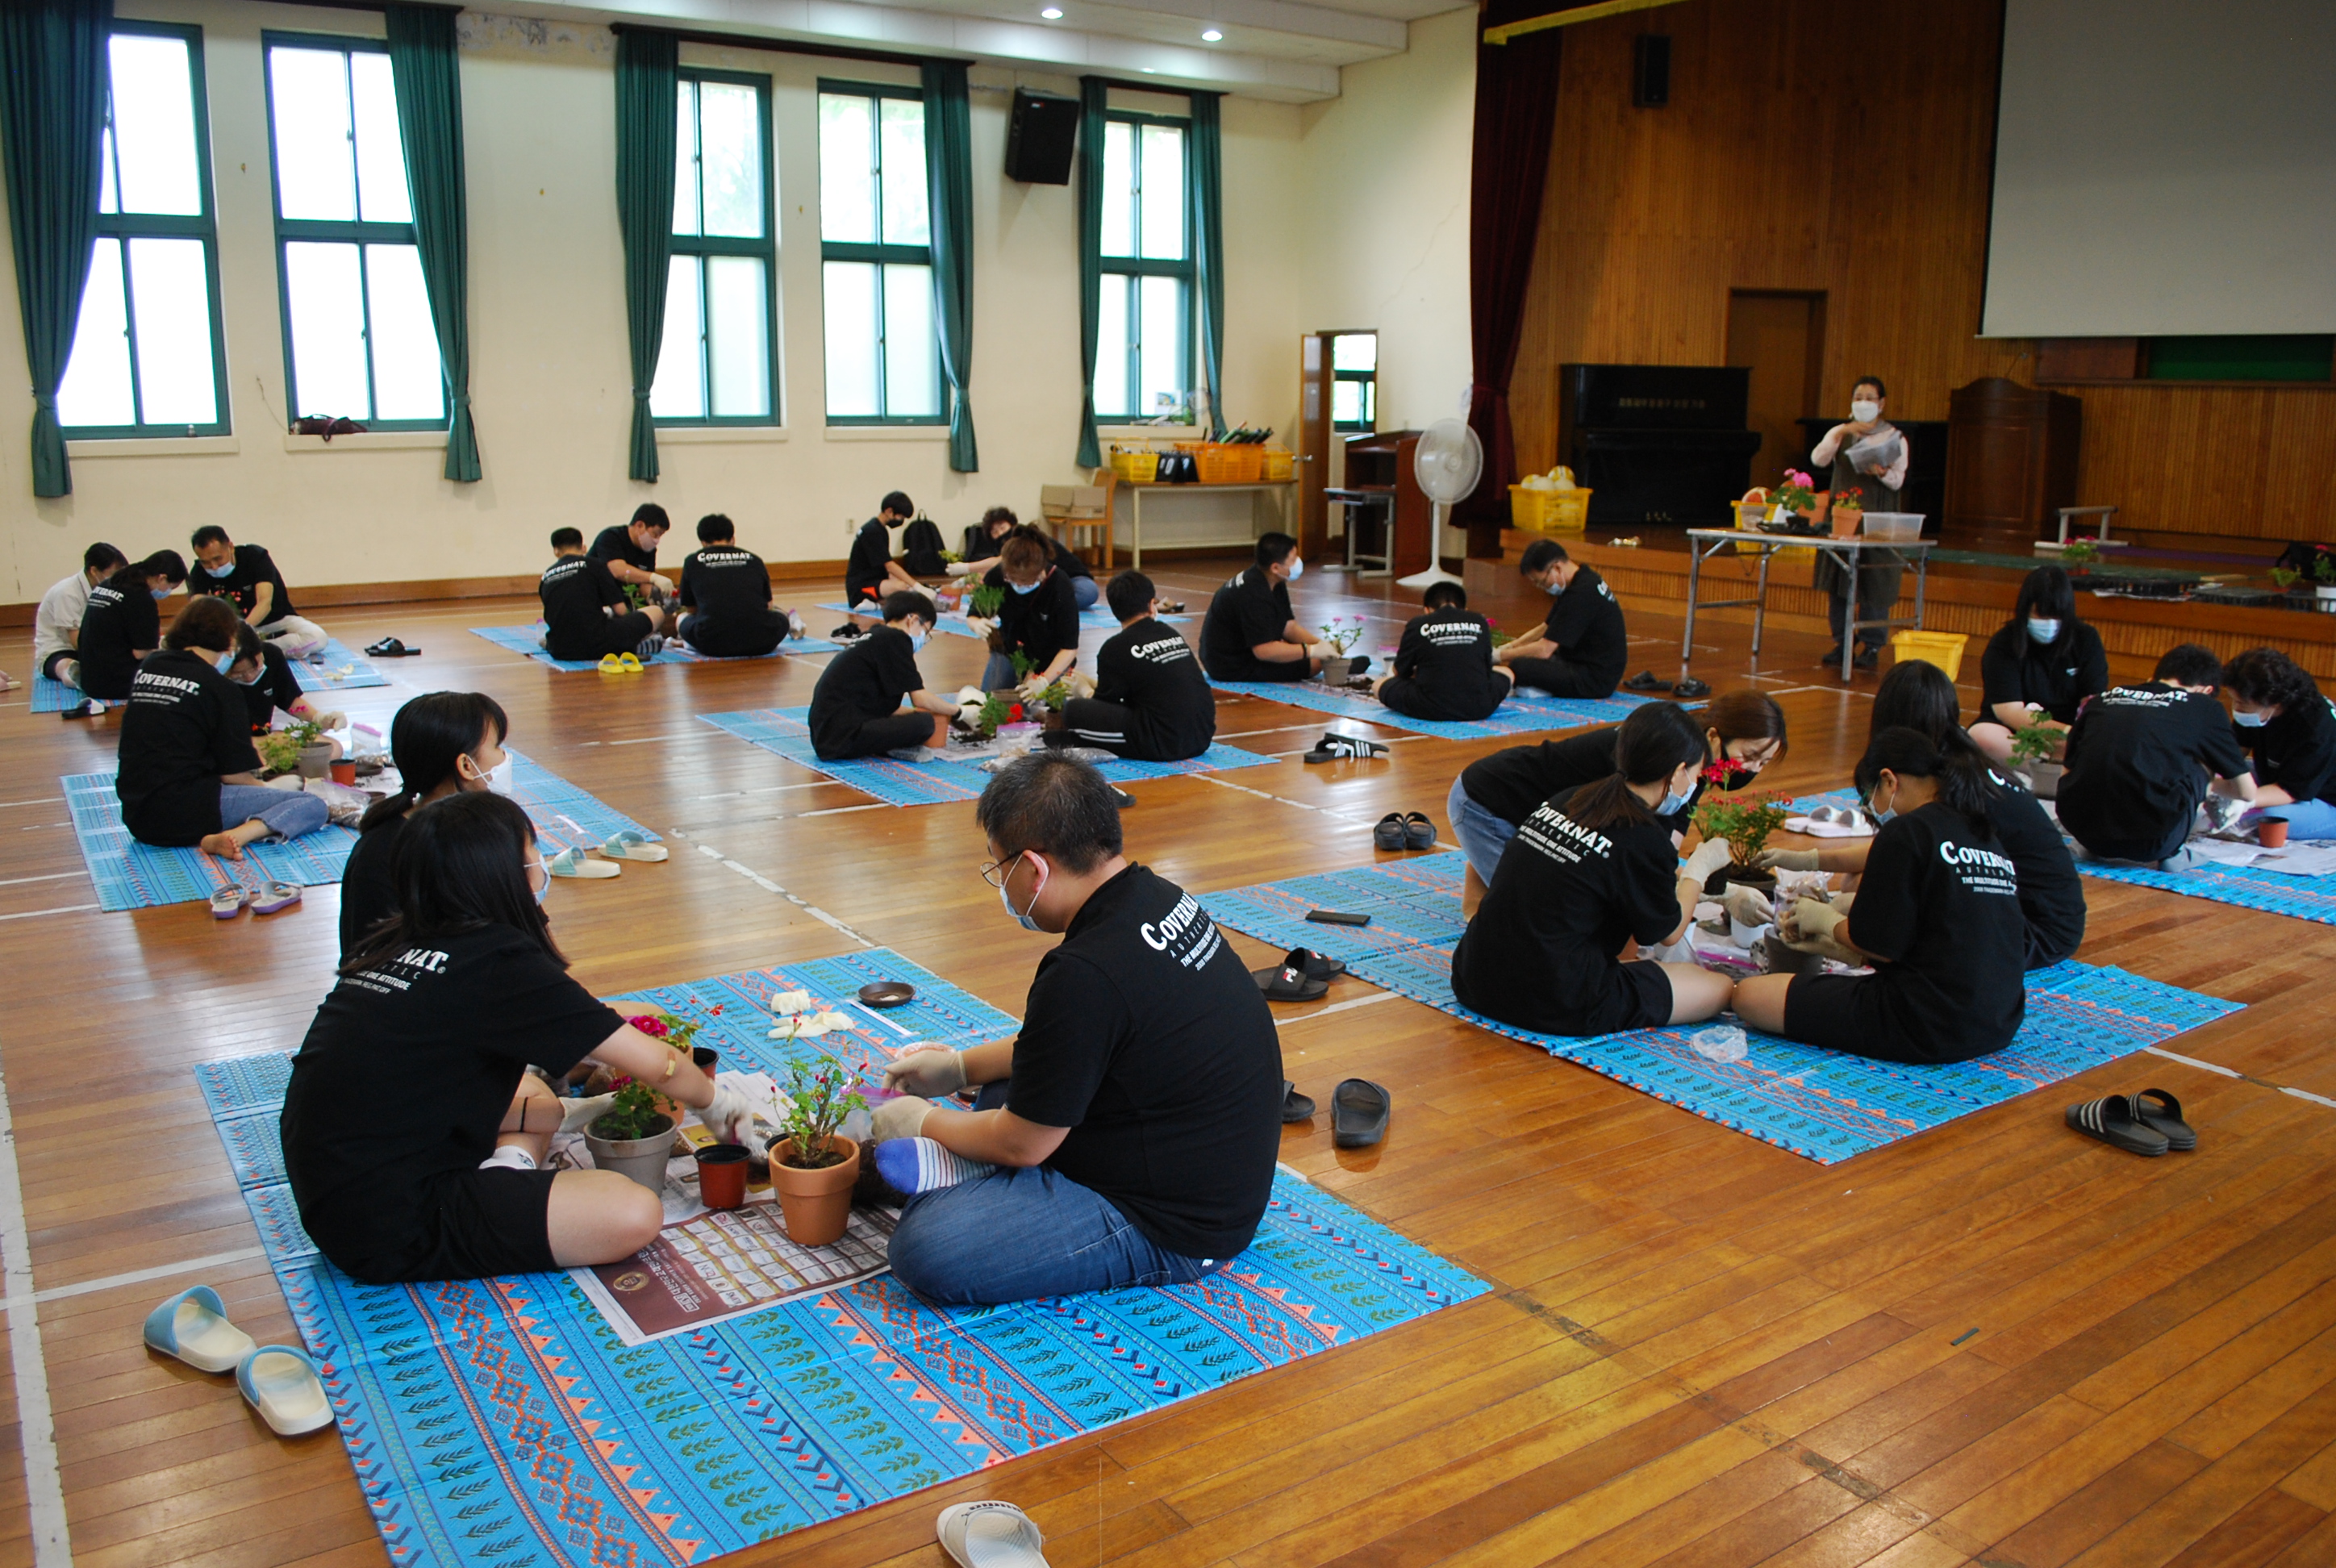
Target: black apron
x: 1877, y: 586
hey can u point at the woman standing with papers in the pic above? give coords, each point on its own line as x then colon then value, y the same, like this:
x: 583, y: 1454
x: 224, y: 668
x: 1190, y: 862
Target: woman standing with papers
x: 1867, y: 453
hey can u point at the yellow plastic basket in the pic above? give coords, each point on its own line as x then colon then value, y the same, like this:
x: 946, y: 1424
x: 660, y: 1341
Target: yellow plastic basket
x: 1943, y: 649
x: 1223, y: 462
x: 1279, y: 465
x: 1136, y: 464
x: 1748, y: 514
x: 1549, y: 510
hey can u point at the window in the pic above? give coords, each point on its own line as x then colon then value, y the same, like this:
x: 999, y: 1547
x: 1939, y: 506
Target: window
x: 146, y: 357
x: 1355, y: 380
x: 1143, y: 336
x: 358, y: 337
x: 714, y: 368
x: 876, y: 258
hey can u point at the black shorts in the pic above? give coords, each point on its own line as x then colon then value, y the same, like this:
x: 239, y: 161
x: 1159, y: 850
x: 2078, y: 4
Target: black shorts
x: 1251, y: 669
x: 63, y: 656
x: 1405, y: 697
x: 1562, y: 677
x: 469, y: 1225
x: 621, y: 634
x: 1844, y: 1013
x: 757, y: 635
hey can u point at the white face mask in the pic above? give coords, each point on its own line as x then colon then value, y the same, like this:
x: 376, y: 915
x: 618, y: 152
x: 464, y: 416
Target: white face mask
x: 497, y: 778
x: 227, y: 571
x: 1297, y: 569
x: 540, y: 890
x: 917, y: 641
x: 2044, y: 632
x: 1022, y: 917
x: 161, y: 593
x: 1025, y: 586
x: 1865, y: 411
x: 2246, y: 720
x: 1673, y: 805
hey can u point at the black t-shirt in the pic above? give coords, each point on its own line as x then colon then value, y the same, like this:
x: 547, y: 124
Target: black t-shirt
x: 185, y: 726
x: 871, y: 549
x: 1151, y: 668
x: 253, y: 566
x: 1940, y: 905
x: 2058, y: 677
x: 865, y: 681
x: 121, y: 620
x: 576, y: 590
x: 1586, y: 623
x: 368, y: 890
x: 453, y: 1020
x: 1066, y: 560
x: 615, y: 543
x: 275, y: 688
x: 1146, y: 1037
x: 725, y: 583
x: 1510, y: 783
x: 1448, y: 653
x: 1250, y: 609
x: 1541, y: 951
x: 1041, y: 623
x: 2297, y: 750
x: 2051, y: 893
x: 2138, y: 758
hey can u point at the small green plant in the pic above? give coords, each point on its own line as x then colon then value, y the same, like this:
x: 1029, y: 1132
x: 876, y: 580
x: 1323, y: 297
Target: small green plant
x: 1745, y: 821
x: 951, y: 557
x: 634, y: 596
x: 2080, y: 553
x: 1342, y: 632
x: 633, y: 1113
x: 2033, y: 744
x: 1796, y: 492
x: 986, y: 601
x: 2323, y: 567
x: 818, y: 1099
x: 997, y: 709
x: 280, y: 749
x: 1023, y: 665
x: 2284, y: 577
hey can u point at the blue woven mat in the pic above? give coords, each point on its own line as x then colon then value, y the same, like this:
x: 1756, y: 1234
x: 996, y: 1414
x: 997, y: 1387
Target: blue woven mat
x: 130, y: 876
x: 54, y: 696
x: 1818, y: 1104
x: 528, y: 640
x: 502, y: 1420
x: 1518, y: 714
x: 335, y: 669
x: 901, y: 783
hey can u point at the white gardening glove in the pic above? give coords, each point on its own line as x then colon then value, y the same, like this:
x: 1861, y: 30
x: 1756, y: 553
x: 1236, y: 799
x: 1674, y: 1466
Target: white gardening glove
x: 1809, y: 921
x: 731, y: 1117
x: 1710, y: 856
x: 980, y: 626
x: 332, y: 721
x: 929, y: 1074
x: 968, y: 714
x: 1788, y: 860
x: 575, y: 1115
x: 1079, y: 682
x: 900, y: 1119
x: 1748, y: 906
x: 1320, y: 650
x: 959, y: 568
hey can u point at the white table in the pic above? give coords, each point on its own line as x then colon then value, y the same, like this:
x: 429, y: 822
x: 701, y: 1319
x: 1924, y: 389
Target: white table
x: 1283, y: 491
x: 1702, y: 542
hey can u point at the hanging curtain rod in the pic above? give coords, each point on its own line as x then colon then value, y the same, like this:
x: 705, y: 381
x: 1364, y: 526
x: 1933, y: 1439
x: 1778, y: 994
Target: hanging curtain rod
x: 789, y: 45
x: 1567, y: 18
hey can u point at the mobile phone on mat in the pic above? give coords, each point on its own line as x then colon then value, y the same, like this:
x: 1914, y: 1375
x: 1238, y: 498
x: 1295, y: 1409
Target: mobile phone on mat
x: 1337, y: 918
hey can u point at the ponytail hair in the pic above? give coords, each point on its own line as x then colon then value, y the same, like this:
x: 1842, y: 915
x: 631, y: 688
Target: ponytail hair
x: 1655, y: 742
x: 424, y: 740
x: 1918, y: 696
x: 460, y: 866
x: 1961, y: 772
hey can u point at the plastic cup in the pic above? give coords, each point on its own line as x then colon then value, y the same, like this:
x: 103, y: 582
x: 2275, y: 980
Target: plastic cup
x: 2272, y: 832
x: 722, y: 1175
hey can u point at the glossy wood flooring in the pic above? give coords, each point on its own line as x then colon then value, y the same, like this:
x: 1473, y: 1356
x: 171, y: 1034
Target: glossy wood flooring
x: 1993, y: 1343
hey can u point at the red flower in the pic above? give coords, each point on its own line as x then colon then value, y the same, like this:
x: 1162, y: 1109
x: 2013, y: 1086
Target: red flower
x: 1015, y: 713
x: 650, y: 1024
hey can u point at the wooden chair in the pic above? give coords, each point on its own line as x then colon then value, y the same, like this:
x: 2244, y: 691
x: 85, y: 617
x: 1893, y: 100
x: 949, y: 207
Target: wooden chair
x: 1070, y: 510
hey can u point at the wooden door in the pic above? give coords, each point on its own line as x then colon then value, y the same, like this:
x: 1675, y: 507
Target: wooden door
x: 1779, y: 336
x: 1313, y: 444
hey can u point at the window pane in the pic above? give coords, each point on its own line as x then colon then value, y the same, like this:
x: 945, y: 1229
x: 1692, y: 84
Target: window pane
x: 109, y: 200
x: 170, y: 284
x: 684, y: 160
x: 906, y: 219
x: 314, y: 177
x: 732, y: 119
x: 911, y: 358
x: 1355, y: 351
x: 850, y: 291
x: 1346, y: 402
x: 680, y: 390
x: 847, y: 171
x: 1163, y: 193
x: 322, y: 296
x: 1162, y: 372
x: 381, y: 158
x: 1111, y: 348
x: 154, y: 125
x: 738, y: 339
x: 408, y: 383
x: 1118, y: 189
x: 96, y: 387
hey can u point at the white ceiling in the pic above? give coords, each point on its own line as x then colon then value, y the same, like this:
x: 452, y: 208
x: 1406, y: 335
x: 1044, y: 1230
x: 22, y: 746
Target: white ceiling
x: 1286, y: 50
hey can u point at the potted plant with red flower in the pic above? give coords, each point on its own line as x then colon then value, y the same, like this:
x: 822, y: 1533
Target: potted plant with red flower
x: 1746, y: 822
x: 634, y: 1137
x: 813, y: 1165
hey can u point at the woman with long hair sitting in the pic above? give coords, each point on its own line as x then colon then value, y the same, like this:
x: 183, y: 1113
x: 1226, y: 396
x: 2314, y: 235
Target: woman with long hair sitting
x: 442, y: 743
x: 1589, y: 873
x: 414, y: 1134
x: 1937, y: 915
x: 2039, y: 667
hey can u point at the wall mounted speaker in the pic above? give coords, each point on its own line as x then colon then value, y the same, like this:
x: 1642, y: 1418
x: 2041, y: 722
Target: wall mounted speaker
x: 1650, y: 70
x: 1040, y: 134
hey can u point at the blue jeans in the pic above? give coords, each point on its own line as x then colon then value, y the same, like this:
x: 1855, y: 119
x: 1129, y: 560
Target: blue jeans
x: 287, y: 814
x: 1084, y: 591
x: 2305, y: 819
x: 1482, y: 835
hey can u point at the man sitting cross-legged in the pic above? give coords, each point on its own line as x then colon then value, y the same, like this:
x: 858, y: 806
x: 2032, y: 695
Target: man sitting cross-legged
x: 1127, y: 1135
x: 245, y: 575
x: 1250, y: 633
x: 1579, y: 651
x: 725, y: 595
x: 855, y: 708
x: 1151, y: 700
x: 585, y: 614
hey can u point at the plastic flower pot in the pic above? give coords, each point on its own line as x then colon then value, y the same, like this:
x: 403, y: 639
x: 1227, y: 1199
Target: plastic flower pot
x: 2272, y: 832
x: 1783, y: 959
x: 816, y: 1204
x: 345, y: 772
x: 705, y: 1059
x: 317, y: 761
x: 641, y: 1159
x: 1335, y: 670
x: 1733, y: 875
x: 722, y: 1175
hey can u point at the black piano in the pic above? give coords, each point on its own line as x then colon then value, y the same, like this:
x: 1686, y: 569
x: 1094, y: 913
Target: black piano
x: 1656, y: 442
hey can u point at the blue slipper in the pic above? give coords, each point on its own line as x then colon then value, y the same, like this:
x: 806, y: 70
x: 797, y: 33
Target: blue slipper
x: 281, y: 1383
x: 193, y: 1326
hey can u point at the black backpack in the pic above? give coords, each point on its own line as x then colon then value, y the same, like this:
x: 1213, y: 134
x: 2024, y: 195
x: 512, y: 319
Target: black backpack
x: 921, y: 549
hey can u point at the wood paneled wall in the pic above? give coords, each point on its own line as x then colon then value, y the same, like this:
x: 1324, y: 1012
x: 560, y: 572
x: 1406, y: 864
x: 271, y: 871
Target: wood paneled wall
x: 1820, y: 145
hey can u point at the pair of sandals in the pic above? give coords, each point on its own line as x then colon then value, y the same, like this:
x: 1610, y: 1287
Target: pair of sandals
x: 1334, y: 746
x: 1647, y: 681
x: 1404, y: 831
x: 279, y: 1381
x: 1302, y: 976
x: 2148, y: 1124
x: 390, y: 647
x: 628, y: 845
x: 1360, y: 1110
x: 266, y: 898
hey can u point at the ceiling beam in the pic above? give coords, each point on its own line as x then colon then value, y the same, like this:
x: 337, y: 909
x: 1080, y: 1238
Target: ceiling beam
x: 1288, y: 17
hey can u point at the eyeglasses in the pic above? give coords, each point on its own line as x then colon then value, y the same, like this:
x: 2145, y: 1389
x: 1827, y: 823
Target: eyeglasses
x: 994, y: 872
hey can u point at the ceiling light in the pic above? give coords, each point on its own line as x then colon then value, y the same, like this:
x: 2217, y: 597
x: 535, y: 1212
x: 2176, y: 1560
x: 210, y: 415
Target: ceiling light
x: 1052, y: 12
x: 1211, y: 36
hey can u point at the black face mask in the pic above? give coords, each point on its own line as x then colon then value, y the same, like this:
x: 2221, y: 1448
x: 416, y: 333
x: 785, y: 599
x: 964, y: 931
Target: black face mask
x: 1737, y: 778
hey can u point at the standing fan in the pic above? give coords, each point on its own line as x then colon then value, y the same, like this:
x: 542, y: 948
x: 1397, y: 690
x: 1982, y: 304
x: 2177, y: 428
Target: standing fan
x: 1447, y: 464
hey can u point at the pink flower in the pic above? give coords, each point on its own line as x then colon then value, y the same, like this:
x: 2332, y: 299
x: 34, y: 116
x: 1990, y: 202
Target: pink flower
x: 649, y: 1024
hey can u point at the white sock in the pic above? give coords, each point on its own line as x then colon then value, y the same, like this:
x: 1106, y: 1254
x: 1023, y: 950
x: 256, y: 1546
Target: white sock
x: 509, y: 1157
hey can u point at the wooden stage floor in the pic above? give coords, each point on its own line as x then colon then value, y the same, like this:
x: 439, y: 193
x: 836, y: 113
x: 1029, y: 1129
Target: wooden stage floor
x: 1992, y: 1343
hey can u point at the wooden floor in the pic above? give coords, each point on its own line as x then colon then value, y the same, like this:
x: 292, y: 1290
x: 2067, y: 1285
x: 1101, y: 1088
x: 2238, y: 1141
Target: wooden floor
x: 1992, y: 1343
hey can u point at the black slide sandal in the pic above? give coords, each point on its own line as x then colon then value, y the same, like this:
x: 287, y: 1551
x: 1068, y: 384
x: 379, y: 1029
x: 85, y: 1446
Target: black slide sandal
x: 2162, y: 1113
x: 1646, y: 680
x: 1318, y: 966
x: 1692, y: 688
x: 1288, y: 983
x: 1295, y: 1106
x: 1389, y: 834
x: 1418, y: 832
x: 2111, y: 1120
x: 1358, y: 1112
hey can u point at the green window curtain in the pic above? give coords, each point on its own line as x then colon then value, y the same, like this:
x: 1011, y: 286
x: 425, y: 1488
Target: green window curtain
x: 429, y: 83
x: 949, y: 180
x: 1205, y: 223
x: 1092, y: 97
x: 647, y: 92
x: 52, y: 79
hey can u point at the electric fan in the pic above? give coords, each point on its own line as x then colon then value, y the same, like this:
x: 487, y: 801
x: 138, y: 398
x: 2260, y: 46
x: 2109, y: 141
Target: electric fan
x: 1447, y: 462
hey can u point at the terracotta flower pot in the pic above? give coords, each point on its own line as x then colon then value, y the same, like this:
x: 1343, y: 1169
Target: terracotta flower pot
x: 722, y: 1175
x: 817, y: 1203
x: 1845, y: 521
x: 641, y: 1160
x: 345, y: 772
x: 2272, y: 832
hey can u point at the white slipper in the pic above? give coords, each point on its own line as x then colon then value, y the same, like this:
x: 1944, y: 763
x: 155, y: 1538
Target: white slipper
x: 570, y: 863
x: 193, y: 1326
x: 989, y: 1536
x: 282, y: 1385
x: 632, y: 846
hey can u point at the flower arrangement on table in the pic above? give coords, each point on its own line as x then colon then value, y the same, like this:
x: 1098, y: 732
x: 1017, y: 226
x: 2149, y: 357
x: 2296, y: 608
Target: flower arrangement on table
x: 2083, y: 550
x: 818, y: 1099
x: 1744, y: 820
x: 1796, y: 492
x: 1849, y: 500
x: 1342, y: 632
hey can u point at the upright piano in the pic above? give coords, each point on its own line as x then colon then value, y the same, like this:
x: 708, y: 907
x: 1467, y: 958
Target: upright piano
x: 1656, y: 442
